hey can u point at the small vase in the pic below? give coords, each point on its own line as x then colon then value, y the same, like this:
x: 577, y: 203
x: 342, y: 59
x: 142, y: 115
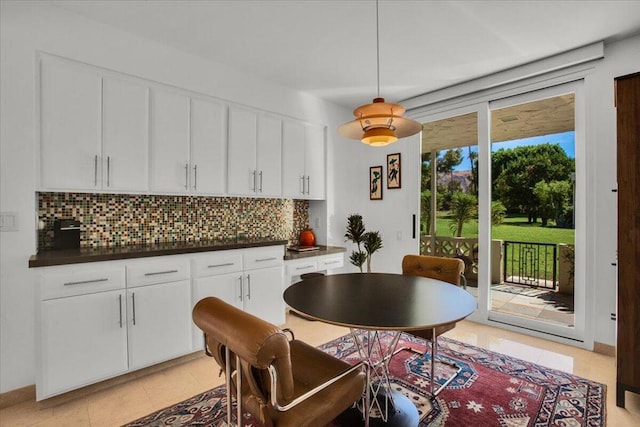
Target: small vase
x: 307, y: 238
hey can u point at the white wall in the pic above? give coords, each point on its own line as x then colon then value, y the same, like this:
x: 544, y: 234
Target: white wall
x: 31, y: 27
x: 621, y: 58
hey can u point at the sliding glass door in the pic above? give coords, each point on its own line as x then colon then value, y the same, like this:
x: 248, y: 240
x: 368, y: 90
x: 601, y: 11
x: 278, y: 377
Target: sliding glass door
x: 536, y: 167
x: 502, y: 189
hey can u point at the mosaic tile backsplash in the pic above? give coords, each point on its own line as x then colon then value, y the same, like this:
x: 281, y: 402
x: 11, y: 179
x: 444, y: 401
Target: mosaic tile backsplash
x: 126, y: 219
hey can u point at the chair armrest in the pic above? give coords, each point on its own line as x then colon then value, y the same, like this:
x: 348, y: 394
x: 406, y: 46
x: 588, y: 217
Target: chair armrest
x: 274, y: 394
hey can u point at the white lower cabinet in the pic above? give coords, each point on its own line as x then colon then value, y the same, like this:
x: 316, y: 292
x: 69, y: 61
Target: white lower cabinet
x: 159, y: 322
x: 99, y: 320
x: 263, y: 294
x: 83, y: 340
x: 250, y: 279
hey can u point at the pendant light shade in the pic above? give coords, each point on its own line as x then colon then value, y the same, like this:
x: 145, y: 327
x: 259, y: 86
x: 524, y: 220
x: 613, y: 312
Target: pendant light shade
x: 379, y: 123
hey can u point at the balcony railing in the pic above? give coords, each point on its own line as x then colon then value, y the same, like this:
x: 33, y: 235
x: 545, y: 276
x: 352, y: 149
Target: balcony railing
x: 522, y: 267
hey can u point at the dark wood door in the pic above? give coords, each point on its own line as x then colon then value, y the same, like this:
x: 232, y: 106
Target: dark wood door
x: 628, y: 157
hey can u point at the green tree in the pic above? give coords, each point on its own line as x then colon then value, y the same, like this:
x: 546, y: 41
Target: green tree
x: 515, y: 173
x: 498, y: 212
x: 473, y: 177
x: 464, y: 208
x: 553, y: 199
x: 449, y: 160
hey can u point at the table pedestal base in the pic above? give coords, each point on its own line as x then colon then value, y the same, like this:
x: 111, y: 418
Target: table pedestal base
x: 405, y: 413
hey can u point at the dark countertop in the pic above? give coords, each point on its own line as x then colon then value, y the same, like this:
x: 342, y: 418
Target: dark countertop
x: 323, y: 250
x: 76, y: 256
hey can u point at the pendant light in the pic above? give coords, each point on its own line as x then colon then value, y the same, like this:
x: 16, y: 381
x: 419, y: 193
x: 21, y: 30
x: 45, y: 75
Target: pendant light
x: 379, y: 123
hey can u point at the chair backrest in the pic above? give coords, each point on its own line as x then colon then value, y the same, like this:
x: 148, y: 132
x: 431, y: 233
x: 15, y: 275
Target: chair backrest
x: 256, y: 342
x: 434, y: 267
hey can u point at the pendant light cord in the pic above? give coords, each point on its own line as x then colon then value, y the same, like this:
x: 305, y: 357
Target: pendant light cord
x: 378, y: 47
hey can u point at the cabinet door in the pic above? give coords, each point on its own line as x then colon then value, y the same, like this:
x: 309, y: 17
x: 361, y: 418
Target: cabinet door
x: 227, y: 287
x: 124, y: 136
x: 169, y: 142
x: 159, y: 323
x: 314, y: 162
x: 208, y: 160
x: 293, y: 135
x: 241, y: 172
x: 263, y: 294
x: 70, y: 109
x: 269, y: 156
x: 83, y: 340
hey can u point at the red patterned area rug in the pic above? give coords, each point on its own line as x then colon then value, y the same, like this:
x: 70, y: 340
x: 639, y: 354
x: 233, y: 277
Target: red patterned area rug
x: 491, y: 390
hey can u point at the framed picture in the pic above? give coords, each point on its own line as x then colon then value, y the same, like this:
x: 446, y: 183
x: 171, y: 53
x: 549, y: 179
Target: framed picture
x: 393, y: 171
x: 375, y: 183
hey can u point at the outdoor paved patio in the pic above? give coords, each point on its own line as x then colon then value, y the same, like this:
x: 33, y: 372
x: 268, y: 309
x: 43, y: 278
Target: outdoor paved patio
x: 535, y: 303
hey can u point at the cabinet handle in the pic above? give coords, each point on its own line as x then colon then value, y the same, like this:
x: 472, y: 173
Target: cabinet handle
x: 120, y: 304
x: 108, y: 170
x: 261, y: 181
x: 133, y: 300
x: 186, y: 176
x: 84, y: 282
x: 254, y: 181
x: 266, y: 259
x: 304, y: 267
x: 332, y: 262
x: 248, y: 286
x: 95, y: 171
x: 195, y: 177
x: 226, y: 264
x: 302, y: 184
x: 240, y: 280
x: 308, y: 186
x: 155, y: 273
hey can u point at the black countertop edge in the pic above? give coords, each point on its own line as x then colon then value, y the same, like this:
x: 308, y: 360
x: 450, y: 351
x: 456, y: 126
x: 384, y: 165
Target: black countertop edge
x: 50, y: 258
x: 322, y: 250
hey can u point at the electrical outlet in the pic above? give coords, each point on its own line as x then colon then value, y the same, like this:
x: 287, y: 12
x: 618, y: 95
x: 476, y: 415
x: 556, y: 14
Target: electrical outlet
x: 8, y: 221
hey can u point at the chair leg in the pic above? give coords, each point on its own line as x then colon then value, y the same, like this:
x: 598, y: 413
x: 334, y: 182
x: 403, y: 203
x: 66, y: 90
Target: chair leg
x: 227, y: 380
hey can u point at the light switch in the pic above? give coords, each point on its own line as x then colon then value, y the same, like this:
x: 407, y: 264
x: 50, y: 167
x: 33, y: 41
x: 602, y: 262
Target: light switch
x: 8, y: 221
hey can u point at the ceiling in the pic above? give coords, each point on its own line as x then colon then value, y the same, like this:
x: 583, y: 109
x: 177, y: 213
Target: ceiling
x: 543, y: 117
x: 328, y: 47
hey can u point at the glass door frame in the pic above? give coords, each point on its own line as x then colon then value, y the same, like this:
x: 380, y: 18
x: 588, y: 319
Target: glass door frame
x: 577, y: 332
x: 481, y: 105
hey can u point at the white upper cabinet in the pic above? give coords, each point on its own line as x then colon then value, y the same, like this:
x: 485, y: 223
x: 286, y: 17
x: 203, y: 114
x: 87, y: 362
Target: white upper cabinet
x: 254, y: 148
x: 269, y: 156
x: 169, y: 142
x: 208, y: 144
x: 293, y: 176
x: 314, y: 162
x: 303, y: 161
x: 241, y: 149
x: 70, y: 113
x: 125, y: 124
x: 103, y: 131
x: 93, y: 130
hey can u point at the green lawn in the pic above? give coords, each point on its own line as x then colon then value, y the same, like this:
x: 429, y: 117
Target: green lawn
x: 514, y: 228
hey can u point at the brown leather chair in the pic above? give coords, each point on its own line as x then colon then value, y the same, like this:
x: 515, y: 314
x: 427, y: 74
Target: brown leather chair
x: 278, y: 381
x: 448, y: 270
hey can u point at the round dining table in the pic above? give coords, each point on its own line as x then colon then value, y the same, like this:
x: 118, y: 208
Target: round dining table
x: 368, y: 303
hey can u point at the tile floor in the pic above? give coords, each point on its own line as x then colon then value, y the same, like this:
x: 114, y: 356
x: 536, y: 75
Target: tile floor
x: 126, y: 402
